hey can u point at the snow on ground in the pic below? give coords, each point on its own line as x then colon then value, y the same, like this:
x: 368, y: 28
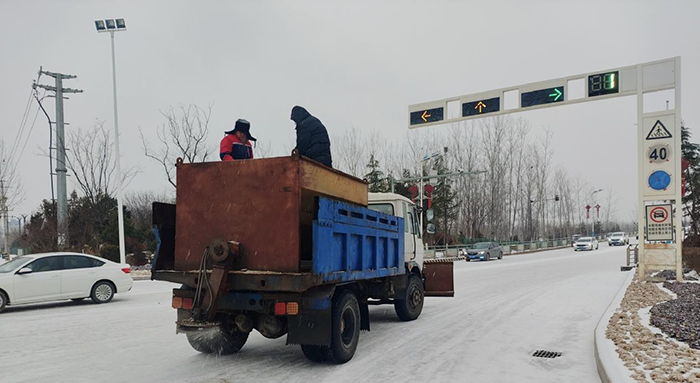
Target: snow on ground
x: 503, y: 311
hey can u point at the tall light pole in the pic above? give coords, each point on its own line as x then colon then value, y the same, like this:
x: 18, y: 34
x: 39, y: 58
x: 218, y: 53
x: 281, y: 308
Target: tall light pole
x: 593, y: 219
x: 111, y: 26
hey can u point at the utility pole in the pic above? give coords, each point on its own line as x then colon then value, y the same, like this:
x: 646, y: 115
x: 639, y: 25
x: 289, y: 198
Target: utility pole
x: 3, y: 215
x: 62, y: 193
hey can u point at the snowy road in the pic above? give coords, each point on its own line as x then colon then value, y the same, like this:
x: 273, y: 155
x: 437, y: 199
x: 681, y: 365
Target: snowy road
x: 502, y: 311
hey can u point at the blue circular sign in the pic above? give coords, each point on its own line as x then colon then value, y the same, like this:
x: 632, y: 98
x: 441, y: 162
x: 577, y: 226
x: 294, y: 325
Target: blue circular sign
x: 659, y: 180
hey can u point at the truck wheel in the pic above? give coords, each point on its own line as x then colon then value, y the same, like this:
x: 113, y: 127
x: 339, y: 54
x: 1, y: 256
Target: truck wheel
x: 222, y: 340
x: 410, y: 308
x: 345, y: 326
x: 315, y: 353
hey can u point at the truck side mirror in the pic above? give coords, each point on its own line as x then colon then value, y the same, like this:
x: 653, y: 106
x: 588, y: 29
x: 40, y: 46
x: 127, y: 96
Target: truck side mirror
x: 430, y: 215
x: 430, y: 228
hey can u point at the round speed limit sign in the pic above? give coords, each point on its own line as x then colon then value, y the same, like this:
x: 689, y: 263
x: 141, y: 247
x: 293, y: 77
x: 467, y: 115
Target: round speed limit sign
x: 659, y: 153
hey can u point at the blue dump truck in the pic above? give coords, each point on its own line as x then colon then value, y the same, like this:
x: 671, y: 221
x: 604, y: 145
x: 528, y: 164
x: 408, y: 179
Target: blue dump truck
x: 287, y: 246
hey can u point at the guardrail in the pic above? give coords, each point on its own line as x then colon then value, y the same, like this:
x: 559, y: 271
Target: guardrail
x: 525, y: 247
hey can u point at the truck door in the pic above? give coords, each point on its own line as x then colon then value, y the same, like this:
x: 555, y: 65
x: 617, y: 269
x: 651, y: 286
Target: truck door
x: 417, y: 238
x: 410, y: 238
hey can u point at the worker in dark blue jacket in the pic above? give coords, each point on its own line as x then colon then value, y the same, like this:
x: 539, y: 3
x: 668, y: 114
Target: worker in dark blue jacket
x: 312, y: 137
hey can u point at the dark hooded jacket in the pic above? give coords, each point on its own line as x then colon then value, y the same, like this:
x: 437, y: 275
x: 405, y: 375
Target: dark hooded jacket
x: 312, y: 137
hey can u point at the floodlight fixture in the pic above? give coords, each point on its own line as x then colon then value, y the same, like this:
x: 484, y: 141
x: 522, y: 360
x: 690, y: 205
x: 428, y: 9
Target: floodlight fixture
x: 110, y: 25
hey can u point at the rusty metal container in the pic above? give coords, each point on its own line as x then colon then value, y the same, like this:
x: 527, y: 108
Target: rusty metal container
x: 264, y: 204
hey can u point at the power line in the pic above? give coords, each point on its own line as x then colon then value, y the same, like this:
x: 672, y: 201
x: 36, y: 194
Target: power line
x: 19, y: 158
x: 22, y: 124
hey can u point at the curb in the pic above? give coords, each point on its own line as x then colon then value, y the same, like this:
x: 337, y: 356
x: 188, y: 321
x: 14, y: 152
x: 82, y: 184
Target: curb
x: 610, y: 367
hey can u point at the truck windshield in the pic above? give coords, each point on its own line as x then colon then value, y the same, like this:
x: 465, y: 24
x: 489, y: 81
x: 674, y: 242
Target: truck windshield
x: 385, y: 208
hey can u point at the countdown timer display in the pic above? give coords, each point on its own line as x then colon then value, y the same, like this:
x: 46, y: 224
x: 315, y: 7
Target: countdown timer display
x: 603, y: 83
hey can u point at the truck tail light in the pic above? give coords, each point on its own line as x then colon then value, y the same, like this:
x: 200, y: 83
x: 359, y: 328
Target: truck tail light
x: 126, y: 270
x: 177, y: 302
x: 182, y: 303
x: 292, y: 308
x: 286, y: 308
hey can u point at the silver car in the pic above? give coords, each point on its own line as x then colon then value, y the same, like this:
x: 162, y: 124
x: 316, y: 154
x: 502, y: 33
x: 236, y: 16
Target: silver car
x: 586, y: 243
x: 485, y: 251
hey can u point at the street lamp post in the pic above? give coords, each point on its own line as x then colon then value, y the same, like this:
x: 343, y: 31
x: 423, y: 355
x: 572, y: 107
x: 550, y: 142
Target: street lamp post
x: 111, y: 26
x: 593, y: 219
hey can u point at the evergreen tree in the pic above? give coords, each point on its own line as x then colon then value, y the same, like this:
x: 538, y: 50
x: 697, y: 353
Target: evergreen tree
x: 691, y: 153
x: 403, y: 188
x: 444, y: 202
x: 375, y: 177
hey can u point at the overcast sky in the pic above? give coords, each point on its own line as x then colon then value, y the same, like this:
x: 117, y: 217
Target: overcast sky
x: 353, y: 64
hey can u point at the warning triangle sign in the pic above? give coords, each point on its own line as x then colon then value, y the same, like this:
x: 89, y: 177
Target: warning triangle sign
x: 658, y: 131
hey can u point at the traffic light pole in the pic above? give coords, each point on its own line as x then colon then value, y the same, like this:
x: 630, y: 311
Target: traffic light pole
x: 423, y: 178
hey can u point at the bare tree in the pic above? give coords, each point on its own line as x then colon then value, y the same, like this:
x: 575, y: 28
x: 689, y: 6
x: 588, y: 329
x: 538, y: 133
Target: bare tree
x: 140, y: 205
x: 610, y: 208
x: 91, y: 161
x: 11, y: 180
x: 349, y: 152
x: 263, y: 149
x: 182, y: 136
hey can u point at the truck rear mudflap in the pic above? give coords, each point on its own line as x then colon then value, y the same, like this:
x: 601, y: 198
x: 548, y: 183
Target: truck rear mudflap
x: 439, y: 278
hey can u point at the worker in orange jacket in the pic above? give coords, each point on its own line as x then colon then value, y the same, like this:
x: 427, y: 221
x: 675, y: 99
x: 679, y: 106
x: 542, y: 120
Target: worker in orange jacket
x: 236, y: 143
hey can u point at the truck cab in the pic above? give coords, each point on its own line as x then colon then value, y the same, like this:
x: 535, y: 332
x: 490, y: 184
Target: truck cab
x: 400, y: 206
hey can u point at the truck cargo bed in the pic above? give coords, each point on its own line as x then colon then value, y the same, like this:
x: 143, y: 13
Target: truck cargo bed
x: 308, y: 239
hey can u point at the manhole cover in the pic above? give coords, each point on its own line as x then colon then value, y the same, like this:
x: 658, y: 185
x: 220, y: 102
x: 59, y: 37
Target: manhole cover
x: 546, y: 354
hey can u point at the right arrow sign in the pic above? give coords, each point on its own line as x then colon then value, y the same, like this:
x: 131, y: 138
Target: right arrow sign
x: 658, y: 131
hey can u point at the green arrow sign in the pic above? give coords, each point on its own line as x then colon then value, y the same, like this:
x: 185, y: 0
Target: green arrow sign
x: 557, y: 94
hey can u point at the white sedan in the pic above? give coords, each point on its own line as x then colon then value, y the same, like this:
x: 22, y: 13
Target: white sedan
x: 586, y: 243
x: 56, y: 276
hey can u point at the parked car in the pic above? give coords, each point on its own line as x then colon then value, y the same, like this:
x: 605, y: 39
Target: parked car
x: 575, y: 238
x: 485, y: 251
x: 56, y: 276
x: 619, y: 238
x: 586, y: 243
